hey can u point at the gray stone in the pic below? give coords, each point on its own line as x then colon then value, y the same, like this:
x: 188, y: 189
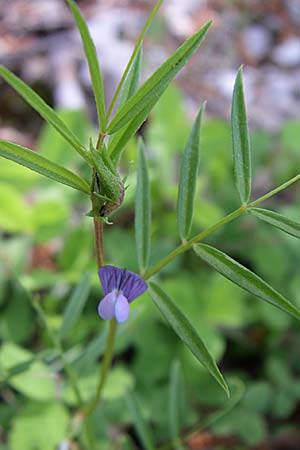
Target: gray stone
x: 287, y: 54
x: 257, y: 41
x: 293, y: 7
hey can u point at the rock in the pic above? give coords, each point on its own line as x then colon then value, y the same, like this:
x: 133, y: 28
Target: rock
x: 293, y: 7
x: 179, y: 16
x: 257, y: 41
x: 287, y: 54
x: 67, y: 91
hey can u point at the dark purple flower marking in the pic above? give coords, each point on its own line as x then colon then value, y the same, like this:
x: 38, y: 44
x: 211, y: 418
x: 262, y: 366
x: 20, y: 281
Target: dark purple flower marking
x: 120, y: 287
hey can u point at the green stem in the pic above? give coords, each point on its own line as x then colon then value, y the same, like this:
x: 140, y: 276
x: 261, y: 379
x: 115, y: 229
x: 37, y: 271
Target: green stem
x: 199, y: 237
x: 275, y: 191
x: 100, y: 140
x: 187, y: 245
x: 136, y: 48
x: 105, y: 366
x: 108, y: 355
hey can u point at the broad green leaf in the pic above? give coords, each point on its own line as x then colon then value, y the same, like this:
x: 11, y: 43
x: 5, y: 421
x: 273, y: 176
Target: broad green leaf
x: 158, y: 82
x: 44, y: 110
x: 50, y: 217
x: 119, y: 381
x: 187, y: 180
x: 15, y: 212
x: 277, y: 220
x: 39, y: 426
x: 175, y: 396
x: 17, y: 176
x: 19, y: 368
x: 237, y: 390
x: 143, y: 211
x: 91, y: 56
x: 37, y: 163
x: 37, y: 382
x: 91, y: 352
x: 140, y: 424
x: 75, y: 306
x: 258, y: 397
x: 186, y: 332
x: 244, y: 278
x: 241, y: 140
x: 19, y: 304
x: 249, y: 427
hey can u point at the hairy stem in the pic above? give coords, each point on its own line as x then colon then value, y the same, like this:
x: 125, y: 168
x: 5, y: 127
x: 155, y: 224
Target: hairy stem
x: 108, y: 355
x: 98, y: 231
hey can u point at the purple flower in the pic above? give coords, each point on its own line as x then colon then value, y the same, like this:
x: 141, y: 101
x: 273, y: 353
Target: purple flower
x: 120, y: 287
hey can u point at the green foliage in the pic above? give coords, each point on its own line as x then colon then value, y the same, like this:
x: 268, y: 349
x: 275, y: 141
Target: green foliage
x: 142, y: 428
x: 166, y: 137
x: 39, y: 427
x: 14, y: 214
x: 48, y: 243
x: 19, y: 305
x: 187, y: 180
x: 241, y: 140
x: 134, y: 54
x: 119, y: 139
x: 176, y: 404
x: 143, y: 211
x: 142, y: 101
x: 118, y: 383
x: 36, y: 383
x: 91, y: 56
x: 186, y: 332
x: 75, y: 306
x: 39, y: 164
x: 277, y: 220
x: 290, y: 135
x: 244, y: 278
x: 44, y: 110
x: 54, y: 147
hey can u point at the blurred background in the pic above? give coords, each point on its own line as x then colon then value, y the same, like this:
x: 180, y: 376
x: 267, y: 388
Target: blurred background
x: 46, y: 247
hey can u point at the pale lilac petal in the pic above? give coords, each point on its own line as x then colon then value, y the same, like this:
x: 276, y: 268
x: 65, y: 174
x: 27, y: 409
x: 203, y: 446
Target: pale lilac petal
x: 106, y: 308
x: 121, y: 308
x: 109, y: 276
x: 133, y: 286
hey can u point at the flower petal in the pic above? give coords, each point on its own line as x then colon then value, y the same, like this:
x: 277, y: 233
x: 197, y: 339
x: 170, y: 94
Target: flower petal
x: 133, y: 286
x: 121, y: 308
x: 109, y: 276
x: 106, y: 308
